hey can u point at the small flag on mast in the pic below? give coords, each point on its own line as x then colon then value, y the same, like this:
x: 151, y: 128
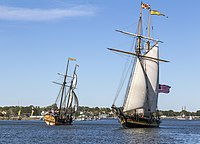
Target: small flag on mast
x: 164, y: 89
x: 72, y: 59
x: 145, y: 6
x: 155, y: 12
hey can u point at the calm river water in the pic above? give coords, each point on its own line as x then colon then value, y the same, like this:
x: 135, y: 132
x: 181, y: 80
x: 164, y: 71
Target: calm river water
x: 99, y: 132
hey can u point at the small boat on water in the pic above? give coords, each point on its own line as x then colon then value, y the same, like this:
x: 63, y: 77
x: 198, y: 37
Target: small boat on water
x: 184, y: 115
x: 141, y: 97
x: 66, y: 102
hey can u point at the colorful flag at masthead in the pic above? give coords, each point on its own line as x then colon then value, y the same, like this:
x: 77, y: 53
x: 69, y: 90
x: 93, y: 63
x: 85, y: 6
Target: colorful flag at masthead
x: 145, y: 6
x: 155, y: 12
x: 163, y: 89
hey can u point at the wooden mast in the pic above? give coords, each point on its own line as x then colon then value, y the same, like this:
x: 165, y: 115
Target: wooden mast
x: 138, y: 47
x: 149, y: 25
x: 63, y: 88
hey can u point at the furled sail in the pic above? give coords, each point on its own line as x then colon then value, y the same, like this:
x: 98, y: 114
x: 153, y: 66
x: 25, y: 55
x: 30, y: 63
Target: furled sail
x: 152, y: 71
x: 136, y: 96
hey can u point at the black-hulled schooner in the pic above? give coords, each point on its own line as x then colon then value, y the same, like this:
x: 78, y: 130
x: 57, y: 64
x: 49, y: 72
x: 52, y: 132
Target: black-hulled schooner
x: 66, y: 104
x: 140, y: 103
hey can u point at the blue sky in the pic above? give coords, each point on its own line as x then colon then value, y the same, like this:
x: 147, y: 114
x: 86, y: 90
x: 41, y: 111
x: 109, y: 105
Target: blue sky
x: 37, y: 37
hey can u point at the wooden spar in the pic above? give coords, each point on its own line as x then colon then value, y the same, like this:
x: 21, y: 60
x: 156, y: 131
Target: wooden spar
x: 139, y: 55
x: 56, y: 83
x: 64, y: 75
x: 136, y: 35
x: 59, y: 83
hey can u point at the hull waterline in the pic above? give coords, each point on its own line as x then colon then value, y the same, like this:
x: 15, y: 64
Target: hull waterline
x: 54, y: 120
x: 133, y: 123
x: 136, y: 121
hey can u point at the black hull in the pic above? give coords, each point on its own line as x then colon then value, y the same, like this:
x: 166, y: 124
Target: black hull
x: 139, y: 123
x: 136, y: 121
x: 63, y: 122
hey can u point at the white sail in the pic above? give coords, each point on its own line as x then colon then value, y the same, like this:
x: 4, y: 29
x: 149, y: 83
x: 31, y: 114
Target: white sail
x: 136, y: 97
x: 70, y: 98
x: 72, y: 87
x: 152, y: 71
x: 75, y: 102
x: 74, y: 81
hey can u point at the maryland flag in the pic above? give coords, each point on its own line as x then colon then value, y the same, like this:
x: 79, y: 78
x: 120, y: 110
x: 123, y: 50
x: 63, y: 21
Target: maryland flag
x: 145, y: 6
x: 155, y: 12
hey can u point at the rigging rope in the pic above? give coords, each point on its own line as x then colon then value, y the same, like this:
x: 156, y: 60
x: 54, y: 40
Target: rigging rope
x: 58, y: 96
x: 123, y: 77
x: 130, y: 79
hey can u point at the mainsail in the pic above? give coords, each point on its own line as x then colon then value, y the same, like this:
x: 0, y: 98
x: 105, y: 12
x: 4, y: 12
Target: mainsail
x: 144, y: 84
x: 152, y: 72
x: 136, y: 96
x: 75, y: 102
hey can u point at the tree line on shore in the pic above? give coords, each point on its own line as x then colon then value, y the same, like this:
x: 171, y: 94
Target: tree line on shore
x: 8, y: 111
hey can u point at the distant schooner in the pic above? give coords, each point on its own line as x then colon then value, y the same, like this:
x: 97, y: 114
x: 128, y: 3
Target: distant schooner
x: 140, y: 104
x: 66, y: 102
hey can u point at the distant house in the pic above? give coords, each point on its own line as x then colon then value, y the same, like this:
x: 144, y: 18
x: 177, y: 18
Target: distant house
x: 103, y: 116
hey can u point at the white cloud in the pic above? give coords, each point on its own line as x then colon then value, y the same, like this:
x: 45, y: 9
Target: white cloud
x: 14, y: 13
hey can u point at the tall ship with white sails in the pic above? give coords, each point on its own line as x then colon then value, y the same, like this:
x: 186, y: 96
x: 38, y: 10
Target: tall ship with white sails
x: 66, y: 103
x: 141, y: 97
